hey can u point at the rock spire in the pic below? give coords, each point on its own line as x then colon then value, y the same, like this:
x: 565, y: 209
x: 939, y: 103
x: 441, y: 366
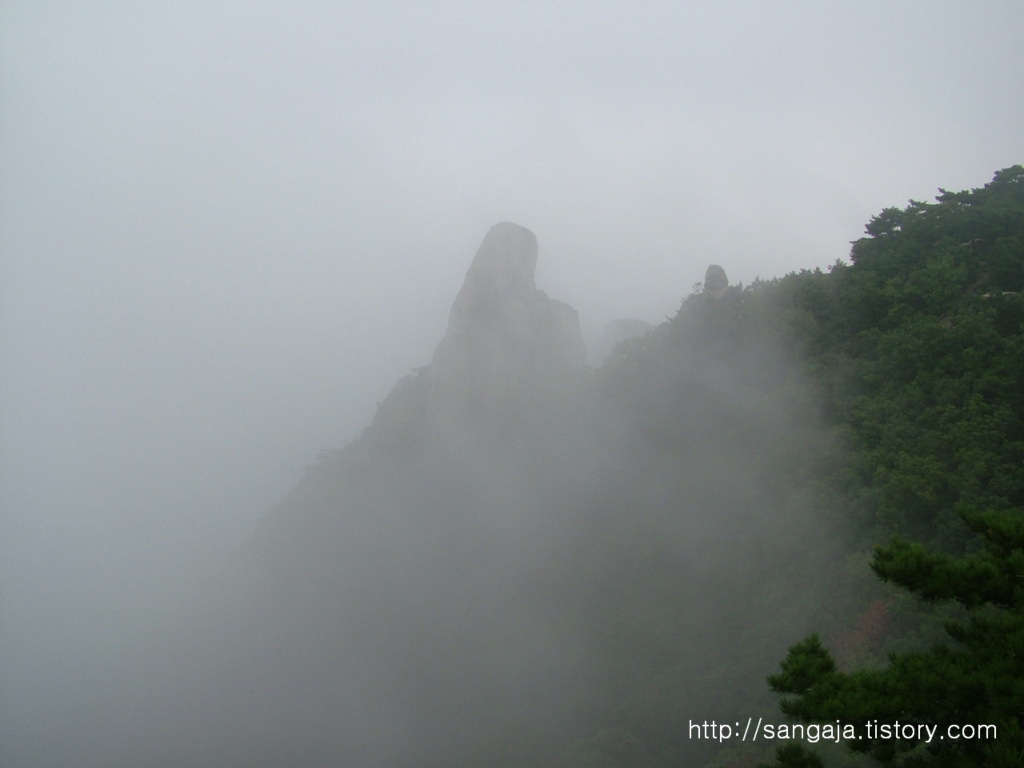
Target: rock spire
x: 715, y: 281
x: 507, y: 351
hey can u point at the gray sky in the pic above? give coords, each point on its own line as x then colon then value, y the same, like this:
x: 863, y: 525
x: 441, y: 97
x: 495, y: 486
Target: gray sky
x: 227, y: 229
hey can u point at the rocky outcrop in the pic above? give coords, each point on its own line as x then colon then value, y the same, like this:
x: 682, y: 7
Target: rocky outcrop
x: 507, y: 351
x: 715, y: 281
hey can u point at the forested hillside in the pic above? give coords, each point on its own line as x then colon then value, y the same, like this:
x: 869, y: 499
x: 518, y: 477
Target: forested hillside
x: 936, y: 338
x: 523, y: 562
x: 914, y: 348
x: 915, y: 354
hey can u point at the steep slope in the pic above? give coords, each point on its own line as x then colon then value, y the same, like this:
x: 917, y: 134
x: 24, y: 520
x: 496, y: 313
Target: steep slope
x: 511, y: 561
x: 520, y: 562
x: 506, y: 355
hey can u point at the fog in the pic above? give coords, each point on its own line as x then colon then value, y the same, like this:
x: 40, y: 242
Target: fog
x: 227, y: 230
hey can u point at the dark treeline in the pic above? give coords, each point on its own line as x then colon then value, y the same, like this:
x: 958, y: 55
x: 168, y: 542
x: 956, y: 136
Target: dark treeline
x: 912, y: 356
x: 920, y: 342
x: 638, y: 553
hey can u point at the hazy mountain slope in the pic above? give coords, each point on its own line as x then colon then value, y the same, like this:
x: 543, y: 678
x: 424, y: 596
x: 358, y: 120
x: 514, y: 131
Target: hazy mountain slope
x: 523, y: 562
x: 516, y: 564
x: 523, y: 566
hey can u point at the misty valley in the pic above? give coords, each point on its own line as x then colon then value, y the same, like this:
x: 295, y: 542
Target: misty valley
x: 809, y: 487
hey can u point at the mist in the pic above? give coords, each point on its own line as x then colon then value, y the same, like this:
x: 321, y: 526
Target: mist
x: 497, y: 567
x: 227, y: 230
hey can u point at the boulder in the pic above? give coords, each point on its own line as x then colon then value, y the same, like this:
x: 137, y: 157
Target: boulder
x: 715, y: 281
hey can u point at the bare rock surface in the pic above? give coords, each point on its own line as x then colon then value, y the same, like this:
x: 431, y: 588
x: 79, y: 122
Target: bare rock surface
x: 507, y: 351
x: 715, y: 281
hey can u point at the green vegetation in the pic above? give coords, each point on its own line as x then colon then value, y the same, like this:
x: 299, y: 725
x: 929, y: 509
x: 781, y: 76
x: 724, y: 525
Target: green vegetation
x: 638, y: 558
x: 937, y: 424
x: 979, y: 681
x: 913, y: 422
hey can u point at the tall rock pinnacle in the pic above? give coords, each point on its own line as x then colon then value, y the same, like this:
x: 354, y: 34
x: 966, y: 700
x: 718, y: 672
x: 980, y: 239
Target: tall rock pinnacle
x: 506, y: 351
x: 501, y: 273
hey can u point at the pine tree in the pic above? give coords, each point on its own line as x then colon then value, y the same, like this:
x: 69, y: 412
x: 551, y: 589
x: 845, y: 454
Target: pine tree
x: 977, y: 679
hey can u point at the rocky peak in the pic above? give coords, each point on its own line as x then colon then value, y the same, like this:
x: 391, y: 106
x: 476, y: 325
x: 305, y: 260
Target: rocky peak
x: 507, y: 351
x: 715, y: 281
x: 502, y: 271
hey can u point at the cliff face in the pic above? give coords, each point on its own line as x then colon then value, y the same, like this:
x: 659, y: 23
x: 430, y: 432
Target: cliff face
x: 507, y: 351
